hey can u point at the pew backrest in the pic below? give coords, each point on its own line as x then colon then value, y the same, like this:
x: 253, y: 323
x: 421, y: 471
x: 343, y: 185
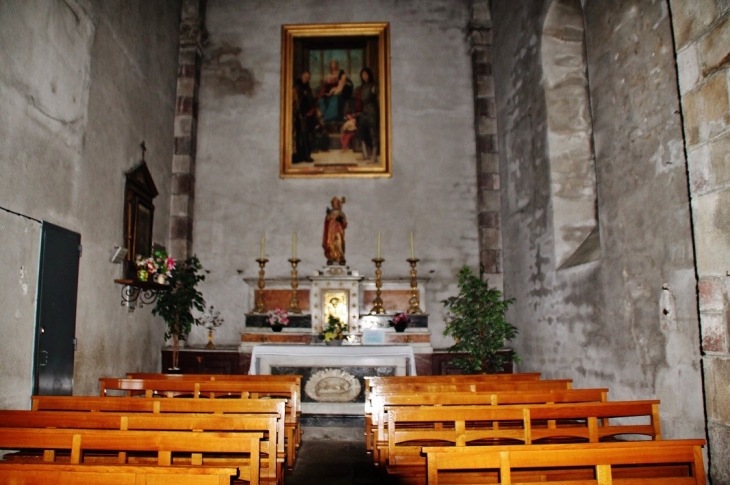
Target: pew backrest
x: 604, y: 458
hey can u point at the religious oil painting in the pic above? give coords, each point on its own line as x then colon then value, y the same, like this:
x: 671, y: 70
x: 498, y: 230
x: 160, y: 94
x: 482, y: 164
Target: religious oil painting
x: 335, y: 100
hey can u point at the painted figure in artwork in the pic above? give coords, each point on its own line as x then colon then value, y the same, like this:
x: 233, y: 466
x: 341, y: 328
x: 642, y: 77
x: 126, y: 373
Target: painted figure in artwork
x: 333, y: 239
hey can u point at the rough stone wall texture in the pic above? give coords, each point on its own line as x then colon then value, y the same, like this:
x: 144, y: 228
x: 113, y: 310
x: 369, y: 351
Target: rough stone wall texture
x: 239, y: 193
x: 702, y: 35
x: 485, y: 126
x: 80, y: 89
x: 601, y: 323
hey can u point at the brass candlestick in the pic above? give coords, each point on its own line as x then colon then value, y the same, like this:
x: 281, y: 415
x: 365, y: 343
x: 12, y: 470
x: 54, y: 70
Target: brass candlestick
x: 260, y: 302
x: 294, y: 302
x: 414, y: 301
x: 378, y: 302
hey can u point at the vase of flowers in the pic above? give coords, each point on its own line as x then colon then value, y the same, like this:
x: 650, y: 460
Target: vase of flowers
x: 210, y: 319
x: 334, y: 332
x: 278, y: 318
x: 157, y: 268
x: 400, y: 322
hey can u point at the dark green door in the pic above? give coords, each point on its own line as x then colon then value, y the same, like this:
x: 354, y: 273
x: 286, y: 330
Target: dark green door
x: 56, y: 316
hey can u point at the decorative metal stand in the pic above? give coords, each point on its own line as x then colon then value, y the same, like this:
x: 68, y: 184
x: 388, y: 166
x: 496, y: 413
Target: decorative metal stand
x: 414, y: 301
x: 378, y: 302
x: 139, y: 293
x: 260, y: 306
x: 210, y: 345
x: 294, y: 302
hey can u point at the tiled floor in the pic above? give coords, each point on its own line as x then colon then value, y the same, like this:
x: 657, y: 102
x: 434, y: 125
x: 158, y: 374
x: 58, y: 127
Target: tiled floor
x: 328, y: 462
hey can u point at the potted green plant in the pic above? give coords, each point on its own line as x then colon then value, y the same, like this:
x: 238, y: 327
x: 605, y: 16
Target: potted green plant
x: 176, y: 304
x: 476, y: 321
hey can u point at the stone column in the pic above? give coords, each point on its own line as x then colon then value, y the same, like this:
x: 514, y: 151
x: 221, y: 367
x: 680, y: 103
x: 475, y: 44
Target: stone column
x: 192, y: 37
x: 701, y: 40
x: 485, y: 125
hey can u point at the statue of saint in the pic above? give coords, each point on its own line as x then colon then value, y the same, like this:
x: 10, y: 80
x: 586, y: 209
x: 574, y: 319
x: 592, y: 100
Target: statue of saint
x: 333, y: 239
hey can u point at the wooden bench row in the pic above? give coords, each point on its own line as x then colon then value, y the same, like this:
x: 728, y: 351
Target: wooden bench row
x: 668, y: 462
x: 271, y: 447
x: 410, y: 428
x: 210, y: 386
x: 378, y: 388
x: 241, y: 449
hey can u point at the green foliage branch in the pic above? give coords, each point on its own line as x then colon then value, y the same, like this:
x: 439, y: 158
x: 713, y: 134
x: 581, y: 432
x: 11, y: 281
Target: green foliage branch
x: 476, y: 321
x: 176, y: 304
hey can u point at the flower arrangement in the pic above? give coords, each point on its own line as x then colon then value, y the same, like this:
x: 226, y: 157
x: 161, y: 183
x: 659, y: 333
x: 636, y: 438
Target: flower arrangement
x: 400, y: 321
x: 159, y: 264
x: 335, y: 329
x: 277, y: 317
x: 210, y: 319
x: 165, y: 263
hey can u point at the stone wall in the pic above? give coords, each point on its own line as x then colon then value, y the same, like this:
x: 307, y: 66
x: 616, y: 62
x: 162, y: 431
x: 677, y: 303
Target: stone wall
x: 702, y: 35
x: 239, y: 194
x: 627, y: 321
x: 80, y: 88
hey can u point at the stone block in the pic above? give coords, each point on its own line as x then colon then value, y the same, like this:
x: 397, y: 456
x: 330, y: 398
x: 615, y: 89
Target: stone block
x: 489, y: 219
x: 487, y: 126
x: 184, y: 105
x: 717, y: 377
x: 713, y: 48
x: 185, y: 87
x: 719, y: 162
x: 691, y: 19
x: 490, y: 201
x: 488, y: 181
x: 688, y: 68
x: 183, y: 184
x: 183, y: 164
x: 181, y: 228
x: 480, y: 10
x: 712, y: 231
x: 489, y: 162
x: 180, y: 205
x: 491, y: 238
x: 183, y: 126
x: 183, y: 145
x: 719, y: 438
x: 485, y: 87
x: 711, y: 294
x: 714, y: 333
x: 707, y: 110
x: 492, y: 260
x: 698, y: 160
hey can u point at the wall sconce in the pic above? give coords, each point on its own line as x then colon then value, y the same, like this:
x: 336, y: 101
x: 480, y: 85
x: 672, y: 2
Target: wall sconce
x: 118, y: 254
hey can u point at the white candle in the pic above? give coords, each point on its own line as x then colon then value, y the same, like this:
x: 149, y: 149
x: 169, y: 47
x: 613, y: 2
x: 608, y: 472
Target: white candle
x: 378, y: 251
x: 294, y: 245
x: 263, y: 244
x: 413, y: 250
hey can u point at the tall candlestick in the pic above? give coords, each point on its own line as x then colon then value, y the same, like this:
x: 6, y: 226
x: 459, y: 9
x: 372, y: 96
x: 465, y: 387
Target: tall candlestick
x: 378, y: 249
x: 413, y: 250
x: 294, y: 245
x: 263, y: 244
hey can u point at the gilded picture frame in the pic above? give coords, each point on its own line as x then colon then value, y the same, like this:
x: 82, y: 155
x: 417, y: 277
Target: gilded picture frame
x: 335, y: 101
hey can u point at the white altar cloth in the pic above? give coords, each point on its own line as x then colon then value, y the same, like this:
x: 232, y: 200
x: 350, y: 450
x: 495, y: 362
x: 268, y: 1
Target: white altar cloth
x: 319, y: 355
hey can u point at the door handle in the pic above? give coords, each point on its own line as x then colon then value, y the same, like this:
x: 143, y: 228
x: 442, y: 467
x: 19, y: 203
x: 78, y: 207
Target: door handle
x: 43, y: 361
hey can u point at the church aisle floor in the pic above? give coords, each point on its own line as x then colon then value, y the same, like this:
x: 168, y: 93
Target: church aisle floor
x: 329, y: 462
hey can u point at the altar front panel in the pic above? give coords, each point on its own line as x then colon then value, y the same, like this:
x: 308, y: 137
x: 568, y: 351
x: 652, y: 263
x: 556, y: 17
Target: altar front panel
x: 333, y: 377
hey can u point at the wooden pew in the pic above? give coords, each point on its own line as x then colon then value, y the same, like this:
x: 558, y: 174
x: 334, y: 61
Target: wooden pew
x: 483, y: 383
x: 266, y: 423
x: 291, y: 390
x: 45, y: 473
x: 97, y: 404
x: 473, y: 425
x: 244, y: 446
x: 378, y: 429
x: 634, y: 463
